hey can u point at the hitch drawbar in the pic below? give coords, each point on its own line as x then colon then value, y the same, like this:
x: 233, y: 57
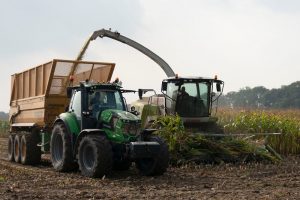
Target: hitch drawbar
x: 143, y: 149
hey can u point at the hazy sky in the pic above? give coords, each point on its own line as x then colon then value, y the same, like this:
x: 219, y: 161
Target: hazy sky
x: 244, y: 42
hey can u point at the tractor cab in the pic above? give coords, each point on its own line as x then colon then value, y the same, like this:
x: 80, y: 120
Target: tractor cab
x: 89, y: 100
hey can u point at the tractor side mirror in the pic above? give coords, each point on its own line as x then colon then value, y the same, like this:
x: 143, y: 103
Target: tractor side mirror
x: 218, y: 87
x: 134, y: 111
x: 69, y: 92
x: 164, y: 86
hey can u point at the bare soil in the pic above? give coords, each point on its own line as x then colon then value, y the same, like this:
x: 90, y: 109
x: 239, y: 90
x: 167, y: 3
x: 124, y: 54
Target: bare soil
x: 227, y: 181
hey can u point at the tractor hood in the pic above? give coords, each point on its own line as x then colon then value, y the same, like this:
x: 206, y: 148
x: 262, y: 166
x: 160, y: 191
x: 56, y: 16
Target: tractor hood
x: 125, y: 116
x: 120, y: 126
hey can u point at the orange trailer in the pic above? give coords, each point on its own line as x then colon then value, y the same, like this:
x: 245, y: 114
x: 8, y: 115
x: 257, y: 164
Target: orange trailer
x: 39, y: 94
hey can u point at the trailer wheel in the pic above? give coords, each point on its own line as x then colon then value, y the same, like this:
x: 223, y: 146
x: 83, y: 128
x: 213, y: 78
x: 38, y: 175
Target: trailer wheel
x: 95, y: 158
x: 17, y: 148
x: 156, y: 165
x: 30, y: 152
x: 61, y: 149
x: 11, y: 148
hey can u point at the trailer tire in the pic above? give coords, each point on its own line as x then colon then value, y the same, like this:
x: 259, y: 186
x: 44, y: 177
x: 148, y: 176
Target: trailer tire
x: 30, y: 152
x: 17, y: 148
x: 10, y: 148
x: 61, y: 149
x: 95, y: 157
x: 154, y: 166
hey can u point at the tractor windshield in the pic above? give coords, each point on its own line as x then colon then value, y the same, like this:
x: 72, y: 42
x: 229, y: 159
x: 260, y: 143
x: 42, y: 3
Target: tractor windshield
x: 101, y: 100
x: 188, y: 99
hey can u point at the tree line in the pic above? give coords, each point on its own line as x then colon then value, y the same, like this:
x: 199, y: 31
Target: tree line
x: 261, y: 97
x: 3, y: 116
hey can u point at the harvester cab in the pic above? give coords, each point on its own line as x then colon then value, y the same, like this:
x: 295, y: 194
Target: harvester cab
x: 192, y: 98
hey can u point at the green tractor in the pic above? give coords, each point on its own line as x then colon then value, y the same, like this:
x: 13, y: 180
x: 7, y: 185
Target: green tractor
x: 97, y: 134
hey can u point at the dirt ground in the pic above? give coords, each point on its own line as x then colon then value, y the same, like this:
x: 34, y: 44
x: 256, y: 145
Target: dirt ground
x: 251, y: 181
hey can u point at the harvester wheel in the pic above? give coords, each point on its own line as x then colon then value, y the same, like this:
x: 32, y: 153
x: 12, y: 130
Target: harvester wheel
x: 11, y: 148
x: 30, y: 152
x: 61, y: 149
x: 156, y: 165
x: 17, y: 148
x: 95, y: 157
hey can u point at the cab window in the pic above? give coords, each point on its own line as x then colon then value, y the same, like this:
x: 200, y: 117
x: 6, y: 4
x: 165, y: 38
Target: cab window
x: 76, y: 104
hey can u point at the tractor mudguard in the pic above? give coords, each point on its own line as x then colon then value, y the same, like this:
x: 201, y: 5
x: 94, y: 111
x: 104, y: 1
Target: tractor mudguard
x: 70, y: 121
x: 84, y: 133
x: 71, y: 124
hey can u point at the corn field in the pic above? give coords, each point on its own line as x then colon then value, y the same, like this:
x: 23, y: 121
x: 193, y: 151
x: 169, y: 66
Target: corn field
x: 286, y: 122
x: 4, y: 127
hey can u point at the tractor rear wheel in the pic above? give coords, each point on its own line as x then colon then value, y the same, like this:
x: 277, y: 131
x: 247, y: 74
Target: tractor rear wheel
x: 156, y: 165
x: 17, y: 149
x: 61, y: 149
x: 11, y: 148
x: 95, y: 158
x: 30, y: 152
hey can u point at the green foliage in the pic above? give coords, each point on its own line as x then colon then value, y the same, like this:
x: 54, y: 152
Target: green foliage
x: 186, y: 147
x: 3, y: 116
x: 265, y: 122
x: 4, y: 127
x: 260, y: 97
x: 172, y: 130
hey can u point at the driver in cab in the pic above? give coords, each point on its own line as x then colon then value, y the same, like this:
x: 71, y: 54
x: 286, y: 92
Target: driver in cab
x: 182, y: 93
x: 96, y: 102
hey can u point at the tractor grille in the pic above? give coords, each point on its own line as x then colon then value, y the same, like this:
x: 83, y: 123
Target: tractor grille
x: 132, y: 128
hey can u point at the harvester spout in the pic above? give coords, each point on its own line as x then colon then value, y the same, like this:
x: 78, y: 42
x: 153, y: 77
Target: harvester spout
x: 117, y: 36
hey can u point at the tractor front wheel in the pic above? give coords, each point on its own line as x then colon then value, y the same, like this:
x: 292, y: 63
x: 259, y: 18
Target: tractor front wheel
x: 156, y: 165
x: 95, y: 157
x: 61, y: 149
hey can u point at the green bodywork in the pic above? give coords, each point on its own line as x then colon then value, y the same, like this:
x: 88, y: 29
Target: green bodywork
x: 72, y: 122
x: 120, y: 126
x: 45, y: 138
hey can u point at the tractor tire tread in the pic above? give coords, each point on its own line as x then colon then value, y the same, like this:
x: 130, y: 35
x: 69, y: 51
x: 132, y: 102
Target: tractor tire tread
x: 103, y: 162
x: 67, y: 163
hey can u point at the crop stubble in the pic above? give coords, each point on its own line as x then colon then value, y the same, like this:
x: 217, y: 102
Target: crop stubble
x: 252, y: 181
